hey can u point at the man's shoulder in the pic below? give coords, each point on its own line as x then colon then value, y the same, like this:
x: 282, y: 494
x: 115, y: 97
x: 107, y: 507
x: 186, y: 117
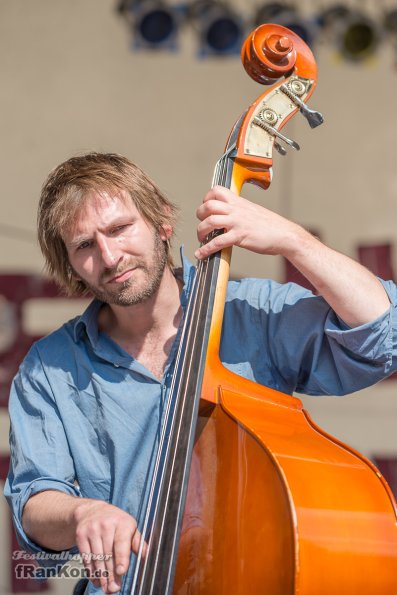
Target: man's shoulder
x: 48, y: 354
x: 70, y: 332
x: 55, y: 344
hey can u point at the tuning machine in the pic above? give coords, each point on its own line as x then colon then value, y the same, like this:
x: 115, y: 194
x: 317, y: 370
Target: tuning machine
x: 263, y: 121
x: 292, y: 91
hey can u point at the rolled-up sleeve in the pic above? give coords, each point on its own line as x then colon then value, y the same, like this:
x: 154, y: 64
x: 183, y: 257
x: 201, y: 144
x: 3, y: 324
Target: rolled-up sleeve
x: 39, y: 452
x: 316, y: 353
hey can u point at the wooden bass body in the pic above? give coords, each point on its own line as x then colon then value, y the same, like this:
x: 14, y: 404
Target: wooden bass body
x: 283, y: 508
x: 276, y: 506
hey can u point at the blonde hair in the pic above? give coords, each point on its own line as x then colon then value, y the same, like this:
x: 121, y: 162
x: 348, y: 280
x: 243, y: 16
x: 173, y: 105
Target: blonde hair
x: 66, y: 189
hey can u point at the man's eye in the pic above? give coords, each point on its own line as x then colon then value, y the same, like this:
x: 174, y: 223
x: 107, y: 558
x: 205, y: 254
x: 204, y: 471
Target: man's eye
x: 84, y: 245
x: 119, y: 228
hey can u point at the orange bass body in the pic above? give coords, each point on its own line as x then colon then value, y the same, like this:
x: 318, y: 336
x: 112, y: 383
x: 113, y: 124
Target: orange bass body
x: 275, y: 506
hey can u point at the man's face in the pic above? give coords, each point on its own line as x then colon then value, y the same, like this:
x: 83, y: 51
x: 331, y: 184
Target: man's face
x: 114, y: 251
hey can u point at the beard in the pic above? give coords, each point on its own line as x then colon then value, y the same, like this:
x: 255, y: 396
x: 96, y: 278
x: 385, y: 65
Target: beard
x: 132, y: 291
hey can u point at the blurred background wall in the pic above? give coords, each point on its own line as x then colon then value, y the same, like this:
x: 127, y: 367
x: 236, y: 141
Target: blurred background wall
x: 73, y: 79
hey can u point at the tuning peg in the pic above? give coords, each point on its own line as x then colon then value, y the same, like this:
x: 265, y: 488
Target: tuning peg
x: 280, y: 148
x: 274, y: 132
x: 314, y: 118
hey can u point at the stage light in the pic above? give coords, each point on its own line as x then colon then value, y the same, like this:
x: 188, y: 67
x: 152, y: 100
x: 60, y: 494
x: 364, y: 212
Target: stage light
x: 220, y: 28
x: 355, y: 34
x: 270, y: 12
x: 358, y: 37
x: 154, y: 23
x: 331, y: 15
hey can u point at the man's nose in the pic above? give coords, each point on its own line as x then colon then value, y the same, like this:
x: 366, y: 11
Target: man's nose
x: 109, y: 252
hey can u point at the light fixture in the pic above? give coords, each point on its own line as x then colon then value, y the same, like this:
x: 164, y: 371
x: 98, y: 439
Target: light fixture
x: 270, y: 12
x: 355, y: 34
x: 358, y: 37
x: 154, y: 23
x: 331, y: 15
x: 220, y: 28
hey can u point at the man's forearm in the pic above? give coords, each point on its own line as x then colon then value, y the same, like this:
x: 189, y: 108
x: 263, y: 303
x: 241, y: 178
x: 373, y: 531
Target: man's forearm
x: 49, y: 519
x: 353, y: 292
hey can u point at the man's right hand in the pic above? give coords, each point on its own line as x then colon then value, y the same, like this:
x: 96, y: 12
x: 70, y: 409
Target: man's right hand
x: 105, y: 536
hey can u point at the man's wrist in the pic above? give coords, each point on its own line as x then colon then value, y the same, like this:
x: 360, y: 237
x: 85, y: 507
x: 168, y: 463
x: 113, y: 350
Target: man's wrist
x: 298, y: 245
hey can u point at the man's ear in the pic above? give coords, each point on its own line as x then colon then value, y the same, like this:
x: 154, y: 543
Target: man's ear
x: 165, y: 232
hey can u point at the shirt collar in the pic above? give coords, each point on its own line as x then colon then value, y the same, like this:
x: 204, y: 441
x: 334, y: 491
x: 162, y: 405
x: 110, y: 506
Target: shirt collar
x: 88, y: 321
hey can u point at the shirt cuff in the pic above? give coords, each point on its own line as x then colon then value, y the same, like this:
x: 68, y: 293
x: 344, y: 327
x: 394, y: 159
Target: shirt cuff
x: 54, y: 558
x: 372, y: 341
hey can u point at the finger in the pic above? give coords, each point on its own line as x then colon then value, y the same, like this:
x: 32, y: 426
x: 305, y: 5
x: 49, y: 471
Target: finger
x: 108, y: 539
x: 219, y: 193
x: 218, y: 243
x: 212, y: 207
x: 210, y: 224
x: 136, y: 544
x: 86, y: 556
x: 122, y: 550
x: 98, y: 561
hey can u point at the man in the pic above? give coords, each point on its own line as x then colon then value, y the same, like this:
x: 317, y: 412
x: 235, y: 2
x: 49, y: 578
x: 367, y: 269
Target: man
x: 86, y: 405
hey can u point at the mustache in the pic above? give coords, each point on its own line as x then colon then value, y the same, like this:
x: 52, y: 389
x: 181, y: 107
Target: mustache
x: 110, y: 273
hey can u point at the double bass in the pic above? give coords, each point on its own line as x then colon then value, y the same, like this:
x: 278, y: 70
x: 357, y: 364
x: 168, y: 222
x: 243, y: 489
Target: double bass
x: 249, y: 496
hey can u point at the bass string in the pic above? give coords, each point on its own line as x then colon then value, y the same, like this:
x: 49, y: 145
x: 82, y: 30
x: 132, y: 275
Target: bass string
x: 171, y: 446
x: 157, y: 472
x: 184, y: 419
x: 195, y: 302
x: 219, y: 178
x: 167, y: 427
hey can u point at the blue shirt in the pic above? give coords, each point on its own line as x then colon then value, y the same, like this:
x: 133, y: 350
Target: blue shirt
x: 85, y: 415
